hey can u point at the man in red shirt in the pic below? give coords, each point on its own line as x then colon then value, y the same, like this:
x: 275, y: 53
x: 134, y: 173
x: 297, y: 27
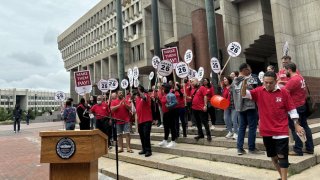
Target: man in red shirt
x: 199, y: 109
x: 144, y: 114
x: 120, y: 110
x: 282, y: 75
x: 101, y: 111
x: 273, y: 105
x: 296, y: 87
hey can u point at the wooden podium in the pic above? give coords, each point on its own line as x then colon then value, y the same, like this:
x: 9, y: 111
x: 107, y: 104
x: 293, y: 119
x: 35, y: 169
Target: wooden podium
x: 73, y: 154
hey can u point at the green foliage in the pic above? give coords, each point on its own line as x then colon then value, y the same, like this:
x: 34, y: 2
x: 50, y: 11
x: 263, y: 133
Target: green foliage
x: 5, y: 114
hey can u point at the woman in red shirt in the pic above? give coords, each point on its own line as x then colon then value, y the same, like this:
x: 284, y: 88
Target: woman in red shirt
x: 210, y: 93
x: 181, y: 109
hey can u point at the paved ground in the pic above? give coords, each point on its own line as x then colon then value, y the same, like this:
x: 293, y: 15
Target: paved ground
x: 20, y: 152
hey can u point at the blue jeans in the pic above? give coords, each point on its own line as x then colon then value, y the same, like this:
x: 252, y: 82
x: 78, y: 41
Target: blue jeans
x: 248, y: 118
x: 235, y: 120
x: 70, y: 125
x: 303, y: 123
x: 229, y: 115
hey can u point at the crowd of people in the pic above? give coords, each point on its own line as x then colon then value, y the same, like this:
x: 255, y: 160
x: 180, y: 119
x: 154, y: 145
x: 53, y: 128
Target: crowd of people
x: 275, y: 103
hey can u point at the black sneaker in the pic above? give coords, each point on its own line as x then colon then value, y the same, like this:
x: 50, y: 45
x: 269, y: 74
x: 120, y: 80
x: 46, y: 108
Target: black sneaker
x: 256, y: 151
x: 209, y: 138
x: 148, y: 154
x: 142, y: 152
x: 198, y: 137
x: 241, y: 152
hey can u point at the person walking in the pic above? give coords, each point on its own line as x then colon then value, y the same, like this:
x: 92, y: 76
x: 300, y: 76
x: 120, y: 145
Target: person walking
x: 17, y: 112
x: 69, y: 116
x: 274, y: 105
x: 247, y: 110
x: 144, y: 115
x: 28, y: 116
x: 296, y: 87
x: 83, y: 114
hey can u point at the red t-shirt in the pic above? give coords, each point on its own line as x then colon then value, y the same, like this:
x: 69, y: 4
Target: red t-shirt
x: 283, y: 77
x: 297, y: 90
x: 143, y: 109
x: 198, y: 99
x: 210, y: 92
x: 226, y: 93
x: 180, y: 99
x: 188, y: 90
x: 273, y: 111
x: 100, y: 110
x: 122, y: 112
x: 163, y: 101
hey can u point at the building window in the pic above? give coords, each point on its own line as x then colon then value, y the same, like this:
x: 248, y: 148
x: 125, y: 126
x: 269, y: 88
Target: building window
x: 134, y: 29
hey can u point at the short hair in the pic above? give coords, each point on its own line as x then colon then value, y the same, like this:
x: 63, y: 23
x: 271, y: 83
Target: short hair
x: 68, y: 103
x: 70, y: 99
x: 270, y: 74
x: 291, y: 66
x: 243, y: 66
x: 286, y: 57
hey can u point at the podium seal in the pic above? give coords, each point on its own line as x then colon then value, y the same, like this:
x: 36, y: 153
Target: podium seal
x: 65, y: 148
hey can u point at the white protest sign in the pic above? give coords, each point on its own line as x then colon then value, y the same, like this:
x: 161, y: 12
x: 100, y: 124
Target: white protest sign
x: 59, y: 96
x: 165, y: 68
x: 192, y: 74
x: 164, y: 80
x: 136, y: 83
x: 135, y: 72
x: 130, y: 74
x: 234, y: 49
x: 124, y: 84
x: 103, y: 85
x: 131, y: 82
x: 151, y: 75
x: 188, y: 56
x: 82, y: 82
x: 200, y: 73
x: 285, y: 49
x: 155, y: 61
x: 211, y: 74
x: 215, y: 65
x: 113, y: 84
x: 182, y: 70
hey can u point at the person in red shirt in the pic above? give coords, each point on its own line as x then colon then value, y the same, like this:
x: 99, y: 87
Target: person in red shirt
x: 120, y: 110
x: 273, y: 105
x: 181, y: 110
x: 189, y: 115
x: 101, y: 111
x: 282, y: 75
x: 296, y: 87
x: 199, y: 109
x: 210, y: 93
x: 144, y: 114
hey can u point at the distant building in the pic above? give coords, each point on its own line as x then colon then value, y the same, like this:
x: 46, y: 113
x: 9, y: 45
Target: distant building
x: 29, y: 99
x: 260, y: 26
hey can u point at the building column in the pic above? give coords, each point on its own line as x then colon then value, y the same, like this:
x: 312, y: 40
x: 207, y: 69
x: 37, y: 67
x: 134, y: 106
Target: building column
x: 105, y: 68
x: 113, y: 66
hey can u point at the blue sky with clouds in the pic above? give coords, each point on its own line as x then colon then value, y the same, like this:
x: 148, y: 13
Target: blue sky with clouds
x: 29, y: 56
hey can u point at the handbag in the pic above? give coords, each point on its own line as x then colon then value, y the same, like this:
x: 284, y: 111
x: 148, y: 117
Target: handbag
x: 310, y: 104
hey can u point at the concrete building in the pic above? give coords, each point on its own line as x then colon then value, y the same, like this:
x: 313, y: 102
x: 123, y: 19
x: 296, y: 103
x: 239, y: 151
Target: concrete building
x: 28, y: 99
x: 260, y: 26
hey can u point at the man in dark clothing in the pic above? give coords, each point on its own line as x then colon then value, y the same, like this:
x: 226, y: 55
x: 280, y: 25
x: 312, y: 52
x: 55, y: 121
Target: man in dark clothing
x: 83, y: 114
x: 17, y: 112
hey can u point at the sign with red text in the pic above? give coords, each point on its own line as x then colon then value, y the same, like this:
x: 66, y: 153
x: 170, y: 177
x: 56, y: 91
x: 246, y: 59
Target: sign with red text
x: 82, y: 82
x: 171, y: 54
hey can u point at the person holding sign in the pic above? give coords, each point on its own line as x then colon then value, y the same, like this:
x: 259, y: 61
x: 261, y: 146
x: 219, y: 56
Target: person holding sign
x: 120, y: 110
x: 144, y: 115
x: 274, y: 106
x: 101, y: 111
x: 199, y: 108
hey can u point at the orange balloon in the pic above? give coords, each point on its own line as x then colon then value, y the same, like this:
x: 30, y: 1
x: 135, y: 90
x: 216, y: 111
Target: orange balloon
x: 219, y: 102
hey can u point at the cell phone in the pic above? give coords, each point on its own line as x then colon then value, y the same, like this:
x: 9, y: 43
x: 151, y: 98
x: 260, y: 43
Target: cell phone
x: 302, y: 137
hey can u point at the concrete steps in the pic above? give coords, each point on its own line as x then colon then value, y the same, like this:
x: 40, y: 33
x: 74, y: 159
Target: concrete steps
x: 193, y: 167
x: 229, y: 155
x: 128, y: 171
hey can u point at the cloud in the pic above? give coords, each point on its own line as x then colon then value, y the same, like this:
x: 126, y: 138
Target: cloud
x: 32, y: 58
x: 50, y: 36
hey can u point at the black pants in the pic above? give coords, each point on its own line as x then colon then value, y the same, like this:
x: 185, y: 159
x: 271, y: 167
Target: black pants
x: 84, y: 123
x: 144, y: 132
x: 103, y: 125
x: 212, y: 114
x: 169, y: 124
x: 202, y: 118
x: 16, y: 122
x: 189, y: 114
x: 181, y: 117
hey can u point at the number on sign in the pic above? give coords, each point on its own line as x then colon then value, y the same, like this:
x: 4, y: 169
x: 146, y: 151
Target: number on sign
x: 234, y: 49
x: 303, y: 84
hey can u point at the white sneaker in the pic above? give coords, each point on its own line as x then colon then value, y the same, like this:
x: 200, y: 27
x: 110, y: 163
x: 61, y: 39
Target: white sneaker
x: 212, y: 127
x: 235, y: 136
x: 161, y: 126
x: 192, y: 127
x: 163, y: 143
x: 171, y: 144
x: 229, y: 135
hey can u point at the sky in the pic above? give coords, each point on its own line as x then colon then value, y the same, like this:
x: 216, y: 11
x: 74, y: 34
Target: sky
x: 29, y: 55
